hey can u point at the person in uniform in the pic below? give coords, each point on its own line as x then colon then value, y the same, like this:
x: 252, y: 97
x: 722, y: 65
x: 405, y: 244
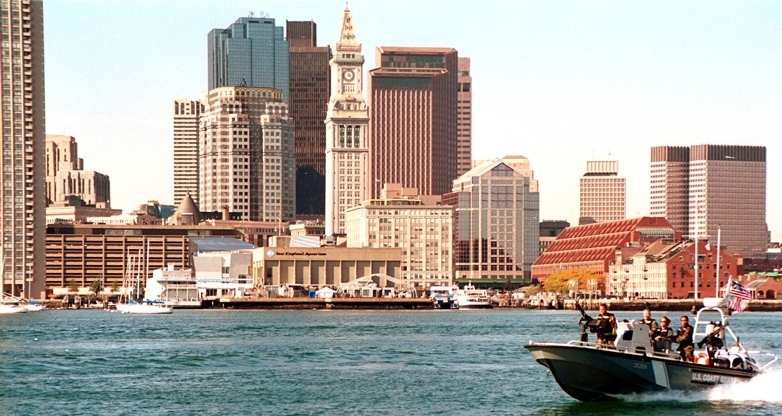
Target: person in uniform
x: 647, y: 319
x: 684, y: 339
x: 605, y: 326
x: 663, y: 335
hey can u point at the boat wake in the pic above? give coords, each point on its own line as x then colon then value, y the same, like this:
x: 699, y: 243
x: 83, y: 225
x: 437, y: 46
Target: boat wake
x: 764, y: 388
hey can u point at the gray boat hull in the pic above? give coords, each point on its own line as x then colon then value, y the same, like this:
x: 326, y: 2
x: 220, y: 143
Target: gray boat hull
x: 592, y: 374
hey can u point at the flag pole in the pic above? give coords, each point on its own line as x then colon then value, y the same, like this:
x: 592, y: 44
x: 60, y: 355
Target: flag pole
x: 717, y: 284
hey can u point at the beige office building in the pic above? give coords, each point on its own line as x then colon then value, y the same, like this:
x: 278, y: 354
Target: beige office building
x: 186, y: 118
x: 725, y: 188
x: 602, y: 195
x: 66, y: 177
x: 23, y: 199
x: 464, y: 117
x: 246, y: 154
x: 497, y: 226
x: 347, y: 153
x: 418, y: 225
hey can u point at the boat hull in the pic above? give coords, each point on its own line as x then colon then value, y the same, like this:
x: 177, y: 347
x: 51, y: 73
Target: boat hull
x: 592, y: 374
x: 11, y: 309
x: 144, y: 309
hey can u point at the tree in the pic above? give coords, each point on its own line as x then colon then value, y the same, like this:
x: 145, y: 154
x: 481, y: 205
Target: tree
x: 560, y: 282
x: 73, y: 287
x: 96, y: 286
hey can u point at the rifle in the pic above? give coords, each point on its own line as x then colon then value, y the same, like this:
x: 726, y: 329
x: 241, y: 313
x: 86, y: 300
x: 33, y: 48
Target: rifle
x: 712, y: 339
x: 584, y: 322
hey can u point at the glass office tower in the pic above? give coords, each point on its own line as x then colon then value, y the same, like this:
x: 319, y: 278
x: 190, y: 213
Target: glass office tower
x: 252, y: 52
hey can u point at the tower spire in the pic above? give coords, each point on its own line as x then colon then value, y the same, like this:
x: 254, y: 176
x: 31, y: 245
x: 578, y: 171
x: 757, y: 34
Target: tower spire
x: 347, y: 34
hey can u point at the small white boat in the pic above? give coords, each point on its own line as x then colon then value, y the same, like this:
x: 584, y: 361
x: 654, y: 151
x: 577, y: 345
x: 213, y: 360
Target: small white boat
x: 471, y: 298
x: 34, y: 306
x: 442, y: 296
x: 8, y: 306
x: 148, y: 308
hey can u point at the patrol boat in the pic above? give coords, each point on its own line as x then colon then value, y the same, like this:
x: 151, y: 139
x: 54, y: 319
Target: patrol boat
x: 632, y: 364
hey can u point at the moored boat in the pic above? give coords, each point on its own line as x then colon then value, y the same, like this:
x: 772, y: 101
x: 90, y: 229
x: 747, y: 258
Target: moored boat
x: 10, y: 306
x: 631, y: 364
x: 146, y: 308
x: 470, y: 297
x: 442, y: 296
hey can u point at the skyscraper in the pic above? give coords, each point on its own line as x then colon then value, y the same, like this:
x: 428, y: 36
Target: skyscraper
x: 246, y: 156
x: 725, y: 190
x: 497, y: 222
x: 464, y: 117
x: 413, y: 118
x: 602, y: 193
x: 186, y: 118
x: 347, y: 153
x: 309, y: 95
x: 23, y: 199
x: 251, y: 52
x: 66, y: 177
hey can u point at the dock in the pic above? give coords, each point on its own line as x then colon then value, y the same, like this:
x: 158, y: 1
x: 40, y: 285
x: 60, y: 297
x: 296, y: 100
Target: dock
x: 318, y: 303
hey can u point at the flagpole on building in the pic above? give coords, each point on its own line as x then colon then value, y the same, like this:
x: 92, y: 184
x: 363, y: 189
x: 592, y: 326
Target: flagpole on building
x: 696, y: 257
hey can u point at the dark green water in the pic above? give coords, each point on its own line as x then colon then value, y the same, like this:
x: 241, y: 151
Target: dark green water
x: 325, y: 362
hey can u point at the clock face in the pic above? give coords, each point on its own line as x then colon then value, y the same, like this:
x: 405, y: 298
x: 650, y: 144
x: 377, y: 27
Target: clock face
x: 348, y: 75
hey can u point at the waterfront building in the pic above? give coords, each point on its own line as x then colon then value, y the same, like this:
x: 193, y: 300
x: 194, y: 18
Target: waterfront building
x: 497, y: 223
x: 222, y: 266
x: 593, y: 246
x: 66, y: 177
x: 246, y: 154
x: 322, y: 266
x: 187, y: 114
x: 602, y: 193
x: 79, y: 254
x: 23, y: 199
x: 667, y: 271
x: 464, y: 117
x: 309, y: 92
x: 252, y: 52
x: 700, y: 189
x: 418, y: 225
x: 413, y: 100
x: 347, y: 151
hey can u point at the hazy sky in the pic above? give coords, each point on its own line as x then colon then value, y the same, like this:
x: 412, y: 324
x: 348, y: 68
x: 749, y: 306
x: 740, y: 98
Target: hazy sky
x: 559, y: 82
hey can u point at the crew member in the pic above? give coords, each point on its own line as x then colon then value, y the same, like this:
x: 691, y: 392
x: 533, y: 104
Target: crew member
x: 647, y: 319
x: 605, y: 326
x: 684, y: 339
x: 663, y: 335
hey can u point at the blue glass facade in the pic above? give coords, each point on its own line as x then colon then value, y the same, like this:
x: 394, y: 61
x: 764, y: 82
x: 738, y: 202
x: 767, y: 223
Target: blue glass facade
x: 252, y: 52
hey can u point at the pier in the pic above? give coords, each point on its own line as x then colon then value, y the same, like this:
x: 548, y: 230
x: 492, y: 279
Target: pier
x: 318, y: 303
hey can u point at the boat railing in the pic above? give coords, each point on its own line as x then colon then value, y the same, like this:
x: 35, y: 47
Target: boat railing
x: 763, y: 368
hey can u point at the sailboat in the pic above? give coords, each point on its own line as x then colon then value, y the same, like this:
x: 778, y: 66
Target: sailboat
x: 141, y: 308
x: 8, y: 305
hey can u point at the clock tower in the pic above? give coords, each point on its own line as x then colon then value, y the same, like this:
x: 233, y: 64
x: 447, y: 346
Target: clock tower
x: 347, y: 119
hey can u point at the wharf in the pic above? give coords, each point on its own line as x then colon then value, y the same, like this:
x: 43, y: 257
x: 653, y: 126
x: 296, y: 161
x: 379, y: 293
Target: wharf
x: 318, y: 303
x: 755, y: 305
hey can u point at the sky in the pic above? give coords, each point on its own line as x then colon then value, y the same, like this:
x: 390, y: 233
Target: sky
x: 560, y: 82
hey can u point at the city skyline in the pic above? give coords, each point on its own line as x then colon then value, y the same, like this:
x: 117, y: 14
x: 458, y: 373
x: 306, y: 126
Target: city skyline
x: 602, y: 80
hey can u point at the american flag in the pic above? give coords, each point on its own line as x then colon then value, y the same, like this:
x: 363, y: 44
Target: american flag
x: 738, y: 297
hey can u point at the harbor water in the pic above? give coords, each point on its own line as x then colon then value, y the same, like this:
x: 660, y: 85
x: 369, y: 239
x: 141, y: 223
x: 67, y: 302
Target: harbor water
x: 327, y: 362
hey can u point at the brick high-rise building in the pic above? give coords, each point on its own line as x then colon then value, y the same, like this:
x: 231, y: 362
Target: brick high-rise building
x: 347, y: 155
x: 413, y: 118
x: 309, y: 94
x: 602, y: 193
x: 186, y: 118
x: 23, y: 198
x: 246, y: 157
x: 464, y: 117
x: 713, y: 187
